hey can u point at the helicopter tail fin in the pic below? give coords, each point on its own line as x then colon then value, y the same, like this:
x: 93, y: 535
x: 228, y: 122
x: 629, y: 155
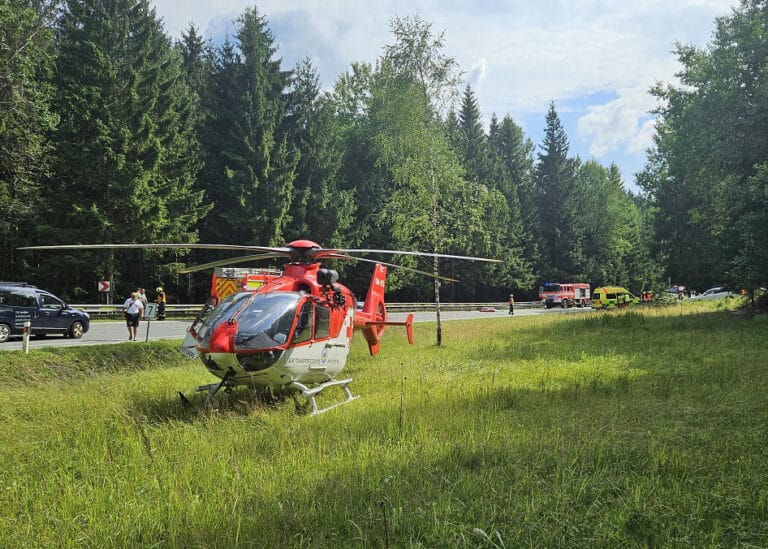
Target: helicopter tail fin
x: 373, y: 317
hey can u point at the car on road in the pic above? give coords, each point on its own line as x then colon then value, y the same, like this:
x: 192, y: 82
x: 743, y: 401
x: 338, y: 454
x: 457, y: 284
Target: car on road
x: 46, y: 313
x: 716, y: 292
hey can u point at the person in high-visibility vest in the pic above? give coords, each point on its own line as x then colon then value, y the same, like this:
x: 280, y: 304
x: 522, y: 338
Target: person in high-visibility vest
x: 160, y: 303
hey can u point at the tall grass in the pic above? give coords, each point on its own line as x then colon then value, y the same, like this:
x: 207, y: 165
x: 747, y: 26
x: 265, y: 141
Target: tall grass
x: 636, y: 428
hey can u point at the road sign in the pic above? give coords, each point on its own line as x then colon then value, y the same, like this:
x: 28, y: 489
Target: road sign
x: 105, y: 285
x: 150, y: 311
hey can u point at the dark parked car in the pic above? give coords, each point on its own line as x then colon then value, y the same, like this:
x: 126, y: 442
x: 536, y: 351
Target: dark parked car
x: 47, y: 313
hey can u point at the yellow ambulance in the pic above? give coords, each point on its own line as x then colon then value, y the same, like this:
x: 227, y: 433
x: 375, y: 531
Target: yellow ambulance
x: 609, y: 297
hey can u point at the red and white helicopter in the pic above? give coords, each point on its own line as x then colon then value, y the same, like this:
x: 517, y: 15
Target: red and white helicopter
x: 291, y: 335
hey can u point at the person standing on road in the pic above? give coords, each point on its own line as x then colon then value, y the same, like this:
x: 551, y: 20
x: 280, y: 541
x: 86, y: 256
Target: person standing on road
x: 134, y: 309
x: 161, y: 299
x: 511, y: 304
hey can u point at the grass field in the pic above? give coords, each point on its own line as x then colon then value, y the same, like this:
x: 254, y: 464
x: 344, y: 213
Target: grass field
x: 638, y: 428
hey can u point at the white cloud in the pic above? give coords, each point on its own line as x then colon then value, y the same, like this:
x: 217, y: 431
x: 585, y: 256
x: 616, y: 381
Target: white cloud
x: 643, y: 139
x: 518, y: 55
x: 617, y: 123
x: 477, y: 73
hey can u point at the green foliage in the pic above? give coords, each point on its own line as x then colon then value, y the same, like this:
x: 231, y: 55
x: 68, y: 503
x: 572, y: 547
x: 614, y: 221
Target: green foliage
x: 511, y: 165
x: 162, y: 143
x: 472, y: 143
x: 26, y: 117
x: 359, y: 174
x: 250, y: 165
x: 321, y: 207
x: 610, y: 223
x: 750, y: 265
x: 121, y: 84
x: 710, y: 146
x: 442, y: 199
x: 648, y: 428
x: 555, y: 197
x: 412, y: 80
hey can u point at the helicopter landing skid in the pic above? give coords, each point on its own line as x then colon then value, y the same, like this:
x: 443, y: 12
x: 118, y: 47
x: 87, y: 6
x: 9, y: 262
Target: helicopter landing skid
x: 310, y: 394
x: 213, y: 388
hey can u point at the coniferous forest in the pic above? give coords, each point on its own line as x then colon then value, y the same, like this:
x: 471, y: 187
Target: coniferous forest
x: 111, y: 131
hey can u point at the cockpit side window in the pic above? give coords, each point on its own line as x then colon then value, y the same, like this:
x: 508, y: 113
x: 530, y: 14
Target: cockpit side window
x: 322, y: 322
x: 304, y: 324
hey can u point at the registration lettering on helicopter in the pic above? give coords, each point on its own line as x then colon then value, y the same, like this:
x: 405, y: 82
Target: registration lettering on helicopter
x: 313, y: 361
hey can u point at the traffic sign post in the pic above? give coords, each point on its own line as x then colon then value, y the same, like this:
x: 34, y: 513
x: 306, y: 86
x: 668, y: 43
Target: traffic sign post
x: 150, y: 312
x: 105, y: 286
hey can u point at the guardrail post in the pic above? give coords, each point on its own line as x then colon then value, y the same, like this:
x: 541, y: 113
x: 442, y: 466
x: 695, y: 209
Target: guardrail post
x: 25, y: 337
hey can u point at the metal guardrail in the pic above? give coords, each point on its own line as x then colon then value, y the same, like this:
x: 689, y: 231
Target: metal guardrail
x: 96, y: 310
x: 190, y: 310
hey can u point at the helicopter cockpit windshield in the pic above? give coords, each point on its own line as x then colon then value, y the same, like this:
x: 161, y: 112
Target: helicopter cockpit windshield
x: 264, y: 321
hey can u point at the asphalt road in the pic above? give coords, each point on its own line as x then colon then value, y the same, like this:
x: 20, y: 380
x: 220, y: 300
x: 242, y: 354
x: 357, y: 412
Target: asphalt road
x: 107, y: 332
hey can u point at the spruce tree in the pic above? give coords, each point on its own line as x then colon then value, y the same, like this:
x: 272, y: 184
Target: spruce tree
x: 126, y: 152
x: 554, y: 191
x: 472, y: 139
x: 321, y: 210
x: 452, y: 131
x: 510, y: 168
x: 249, y: 163
x: 26, y: 60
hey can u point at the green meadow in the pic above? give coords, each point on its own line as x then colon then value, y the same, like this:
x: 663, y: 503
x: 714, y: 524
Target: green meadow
x: 635, y: 428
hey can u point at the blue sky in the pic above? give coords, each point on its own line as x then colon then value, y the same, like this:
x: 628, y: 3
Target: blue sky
x: 596, y: 59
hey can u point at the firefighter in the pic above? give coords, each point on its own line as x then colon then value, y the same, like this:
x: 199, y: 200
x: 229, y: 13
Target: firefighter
x: 160, y: 303
x: 511, y: 304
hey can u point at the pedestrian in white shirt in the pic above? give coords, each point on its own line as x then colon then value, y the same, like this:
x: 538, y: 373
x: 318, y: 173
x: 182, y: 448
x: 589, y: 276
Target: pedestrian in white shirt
x: 134, y: 310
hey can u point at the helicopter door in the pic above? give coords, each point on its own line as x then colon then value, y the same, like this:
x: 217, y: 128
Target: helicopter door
x: 322, y: 322
x: 305, y: 323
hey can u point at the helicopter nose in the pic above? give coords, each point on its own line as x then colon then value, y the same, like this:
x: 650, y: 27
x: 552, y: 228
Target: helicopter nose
x: 223, y: 337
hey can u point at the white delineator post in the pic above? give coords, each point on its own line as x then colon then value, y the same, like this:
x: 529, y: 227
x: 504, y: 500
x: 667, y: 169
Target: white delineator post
x: 25, y: 337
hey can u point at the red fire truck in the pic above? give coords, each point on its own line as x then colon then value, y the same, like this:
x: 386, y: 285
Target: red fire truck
x: 230, y: 280
x: 567, y: 294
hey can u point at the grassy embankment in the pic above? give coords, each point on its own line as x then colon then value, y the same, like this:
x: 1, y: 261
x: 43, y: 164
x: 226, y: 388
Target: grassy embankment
x: 633, y: 428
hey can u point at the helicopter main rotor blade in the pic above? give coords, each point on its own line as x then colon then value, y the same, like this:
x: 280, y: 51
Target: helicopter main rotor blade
x: 352, y: 258
x: 290, y: 251
x: 230, y: 261
x: 421, y: 254
x: 283, y: 251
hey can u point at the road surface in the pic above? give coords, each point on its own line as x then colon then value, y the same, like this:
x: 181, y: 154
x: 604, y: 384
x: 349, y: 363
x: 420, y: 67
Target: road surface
x: 106, y: 332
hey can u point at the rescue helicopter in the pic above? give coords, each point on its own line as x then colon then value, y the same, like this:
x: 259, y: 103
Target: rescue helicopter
x: 292, y: 335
